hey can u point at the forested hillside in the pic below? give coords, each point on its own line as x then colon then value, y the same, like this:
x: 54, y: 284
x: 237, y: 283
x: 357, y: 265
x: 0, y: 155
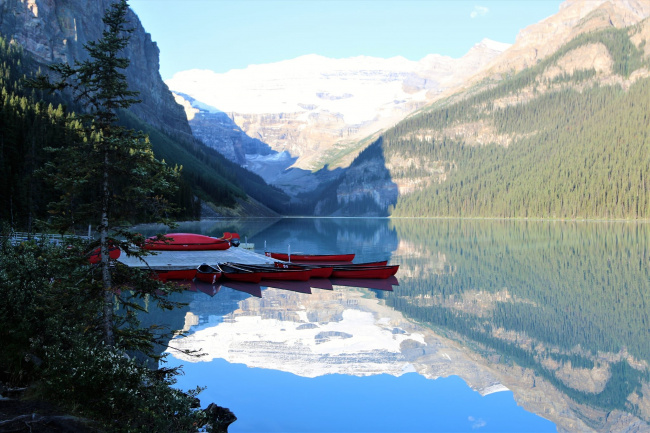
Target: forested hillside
x: 26, y: 128
x: 31, y: 122
x: 548, y: 142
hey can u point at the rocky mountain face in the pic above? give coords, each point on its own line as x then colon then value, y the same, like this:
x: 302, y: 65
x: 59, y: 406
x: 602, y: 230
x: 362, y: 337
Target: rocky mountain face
x: 312, y: 110
x: 308, y: 105
x: 56, y: 30
x: 575, y: 17
x: 363, y: 188
x: 315, y: 113
x: 217, y: 130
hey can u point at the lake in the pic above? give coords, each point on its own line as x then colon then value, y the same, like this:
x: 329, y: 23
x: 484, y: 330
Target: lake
x: 492, y: 325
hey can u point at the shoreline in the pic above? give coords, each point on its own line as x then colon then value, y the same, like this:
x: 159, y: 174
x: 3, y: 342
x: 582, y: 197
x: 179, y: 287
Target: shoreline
x: 534, y: 219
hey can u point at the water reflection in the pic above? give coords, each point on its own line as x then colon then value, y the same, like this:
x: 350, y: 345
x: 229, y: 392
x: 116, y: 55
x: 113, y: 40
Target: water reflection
x: 556, y: 312
x: 334, y: 334
x: 369, y: 283
x: 566, y: 304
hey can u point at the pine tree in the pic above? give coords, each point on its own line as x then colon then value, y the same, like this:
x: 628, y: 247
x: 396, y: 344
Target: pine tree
x: 108, y: 173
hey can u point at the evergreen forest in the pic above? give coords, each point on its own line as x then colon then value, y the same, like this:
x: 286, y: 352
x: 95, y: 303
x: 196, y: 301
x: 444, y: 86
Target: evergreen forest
x: 577, y: 148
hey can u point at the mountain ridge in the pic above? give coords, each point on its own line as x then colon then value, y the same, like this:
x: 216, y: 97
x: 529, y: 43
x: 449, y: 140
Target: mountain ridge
x: 457, y: 143
x: 574, y: 17
x: 572, y: 49
x: 325, y: 101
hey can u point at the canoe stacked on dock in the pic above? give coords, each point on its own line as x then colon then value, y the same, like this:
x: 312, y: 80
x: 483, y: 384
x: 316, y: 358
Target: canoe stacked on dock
x: 166, y: 273
x: 270, y: 272
x: 302, y: 268
x: 207, y: 273
x: 254, y: 273
x: 191, y: 242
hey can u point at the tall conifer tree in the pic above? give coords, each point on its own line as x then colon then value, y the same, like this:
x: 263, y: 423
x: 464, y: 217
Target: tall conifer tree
x: 111, y: 175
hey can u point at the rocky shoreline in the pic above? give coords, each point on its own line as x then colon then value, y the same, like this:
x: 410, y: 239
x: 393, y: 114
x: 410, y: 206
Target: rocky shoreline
x: 18, y: 414
x: 36, y: 416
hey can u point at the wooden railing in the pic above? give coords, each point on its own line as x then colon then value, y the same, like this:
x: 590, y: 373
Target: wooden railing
x: 18, y: 237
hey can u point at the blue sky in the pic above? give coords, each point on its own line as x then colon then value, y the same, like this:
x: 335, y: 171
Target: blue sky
x: 221, y: 35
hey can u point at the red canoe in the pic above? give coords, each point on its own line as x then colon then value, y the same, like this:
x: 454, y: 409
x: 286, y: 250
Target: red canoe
x: 186, y: 242
x: 207, y: 273
x: 299, y: 257
x: 270, y: 272
x: 165, y: 273
x: 314, y: 271
x: 113, y: 252
x: 324, y: 271
x: 364, y: 271
x: 237, y: 274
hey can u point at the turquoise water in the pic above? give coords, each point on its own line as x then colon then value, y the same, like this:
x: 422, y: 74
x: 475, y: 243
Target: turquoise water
x: 494, y: 326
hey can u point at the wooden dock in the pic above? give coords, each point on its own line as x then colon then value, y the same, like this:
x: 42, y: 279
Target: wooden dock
x: 196, y: 258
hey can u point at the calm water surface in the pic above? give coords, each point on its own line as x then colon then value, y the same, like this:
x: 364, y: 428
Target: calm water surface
x: 493, y: 326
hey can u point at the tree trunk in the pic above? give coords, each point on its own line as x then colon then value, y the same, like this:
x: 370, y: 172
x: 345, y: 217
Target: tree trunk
x: 109, y: 338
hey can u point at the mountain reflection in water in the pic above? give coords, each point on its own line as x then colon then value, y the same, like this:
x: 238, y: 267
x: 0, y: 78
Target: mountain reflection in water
x: 324, y: 344
x: 556, y: 312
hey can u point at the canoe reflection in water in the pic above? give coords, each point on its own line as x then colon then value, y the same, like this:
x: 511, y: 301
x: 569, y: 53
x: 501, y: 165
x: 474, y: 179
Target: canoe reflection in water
x: 305, y: 287
x: 321, y: 283
x: 294, y: 286
x: 253, y: 289
x: 376, y: 283
x: 210, y: 289
x: 207, y: 288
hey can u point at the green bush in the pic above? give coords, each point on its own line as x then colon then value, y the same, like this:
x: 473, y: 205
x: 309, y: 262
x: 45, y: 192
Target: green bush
x: 52, y: 342
x: 122, y: 394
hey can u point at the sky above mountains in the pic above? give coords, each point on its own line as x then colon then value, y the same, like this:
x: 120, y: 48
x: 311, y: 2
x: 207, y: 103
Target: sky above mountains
x: 221, y: 35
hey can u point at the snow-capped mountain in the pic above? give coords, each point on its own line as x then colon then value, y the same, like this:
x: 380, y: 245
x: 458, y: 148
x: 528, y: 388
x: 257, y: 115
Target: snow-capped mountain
x: 308, y: 105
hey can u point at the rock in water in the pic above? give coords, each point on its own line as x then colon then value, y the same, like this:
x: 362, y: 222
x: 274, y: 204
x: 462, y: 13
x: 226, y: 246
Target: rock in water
x: 219, y: 418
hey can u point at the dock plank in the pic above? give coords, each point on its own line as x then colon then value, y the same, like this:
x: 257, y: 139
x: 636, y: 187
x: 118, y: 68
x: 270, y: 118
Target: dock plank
x: 196, y: 258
